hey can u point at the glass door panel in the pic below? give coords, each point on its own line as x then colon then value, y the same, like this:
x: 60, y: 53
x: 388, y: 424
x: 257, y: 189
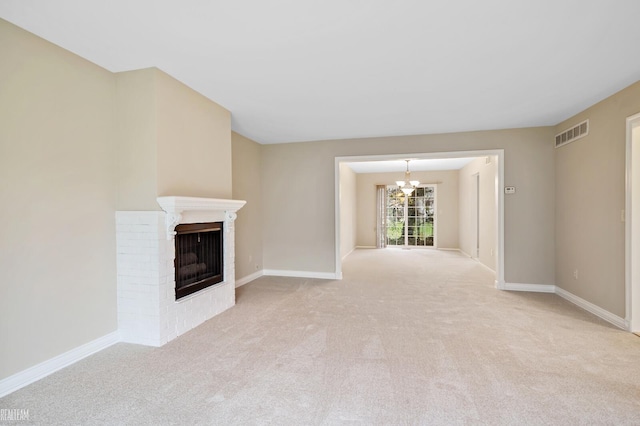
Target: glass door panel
x: 411, y: 219
x: 395, y: 216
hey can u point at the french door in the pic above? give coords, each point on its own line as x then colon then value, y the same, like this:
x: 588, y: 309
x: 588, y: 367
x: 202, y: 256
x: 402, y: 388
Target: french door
x: 411, y: 219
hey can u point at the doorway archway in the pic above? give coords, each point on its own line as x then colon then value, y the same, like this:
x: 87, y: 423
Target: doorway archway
x: 499, y: 198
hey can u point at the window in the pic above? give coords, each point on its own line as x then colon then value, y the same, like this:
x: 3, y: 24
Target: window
x: 411, y: 219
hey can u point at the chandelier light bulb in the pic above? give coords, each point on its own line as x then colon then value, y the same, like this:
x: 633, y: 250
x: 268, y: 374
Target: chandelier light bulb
x: 407, y: 185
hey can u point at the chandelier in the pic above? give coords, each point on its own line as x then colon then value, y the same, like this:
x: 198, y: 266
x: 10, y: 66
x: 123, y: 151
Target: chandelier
x: 407, y: 185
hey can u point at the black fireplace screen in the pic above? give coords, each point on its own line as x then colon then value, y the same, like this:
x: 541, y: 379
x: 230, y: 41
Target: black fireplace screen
x: 199, y: 257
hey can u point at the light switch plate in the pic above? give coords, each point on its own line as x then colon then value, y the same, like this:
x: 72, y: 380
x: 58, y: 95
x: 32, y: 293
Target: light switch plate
x: 509, y: 189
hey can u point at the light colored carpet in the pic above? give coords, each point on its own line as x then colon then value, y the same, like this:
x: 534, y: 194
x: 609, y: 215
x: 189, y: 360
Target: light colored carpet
x: 406, y: 338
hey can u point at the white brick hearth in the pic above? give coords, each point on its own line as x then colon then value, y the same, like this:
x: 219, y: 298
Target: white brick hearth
x: 148, y: 313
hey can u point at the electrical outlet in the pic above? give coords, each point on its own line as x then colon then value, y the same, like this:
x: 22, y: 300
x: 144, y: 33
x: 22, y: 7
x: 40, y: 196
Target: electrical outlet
x: 575, y: 274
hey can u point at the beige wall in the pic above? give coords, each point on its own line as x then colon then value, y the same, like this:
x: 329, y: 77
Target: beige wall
x: 58, y: 192
x: 194, y: 142
x: 78, y: 143
x: 137, y: 135
x: 247, y: 186
x: 300, y: 237
x: 298, y: 207
x: 590, y: 197
x: 484, y: 207
x: 447, y: 204
x: 347, y: 210
x: 171, y: 141
x: 488, y: 254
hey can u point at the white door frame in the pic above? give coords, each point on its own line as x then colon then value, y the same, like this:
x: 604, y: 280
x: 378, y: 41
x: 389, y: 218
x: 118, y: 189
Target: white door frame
x: 499, y: 283
x: 475, y: 207
x: 632, y: 225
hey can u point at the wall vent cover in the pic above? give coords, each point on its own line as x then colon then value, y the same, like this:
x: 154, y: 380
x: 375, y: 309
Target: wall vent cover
x: 576, y: 132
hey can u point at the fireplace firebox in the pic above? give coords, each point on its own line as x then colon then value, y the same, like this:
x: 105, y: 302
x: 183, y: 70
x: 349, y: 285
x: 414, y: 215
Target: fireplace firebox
x: 199, y: 257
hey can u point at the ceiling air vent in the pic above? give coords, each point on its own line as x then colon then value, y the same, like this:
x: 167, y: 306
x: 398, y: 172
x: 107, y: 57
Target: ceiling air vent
x: 579, y: 131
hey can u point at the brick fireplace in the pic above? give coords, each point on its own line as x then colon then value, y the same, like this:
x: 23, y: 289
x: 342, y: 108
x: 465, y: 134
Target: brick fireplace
x: 148, y: 312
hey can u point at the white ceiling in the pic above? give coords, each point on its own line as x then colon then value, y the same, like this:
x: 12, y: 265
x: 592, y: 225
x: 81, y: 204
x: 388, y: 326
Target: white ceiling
x: 415, y: 165
x: 302, y: 70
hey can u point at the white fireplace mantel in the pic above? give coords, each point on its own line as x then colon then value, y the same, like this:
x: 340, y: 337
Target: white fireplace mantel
x: 196, y: 209
x: 148, y: 312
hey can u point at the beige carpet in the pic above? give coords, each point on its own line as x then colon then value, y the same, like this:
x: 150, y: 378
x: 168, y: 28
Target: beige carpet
x: 407, y: 338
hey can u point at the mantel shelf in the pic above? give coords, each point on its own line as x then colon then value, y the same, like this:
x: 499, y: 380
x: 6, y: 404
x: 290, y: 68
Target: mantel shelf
x: 190, y: 209
x: 173, y: 204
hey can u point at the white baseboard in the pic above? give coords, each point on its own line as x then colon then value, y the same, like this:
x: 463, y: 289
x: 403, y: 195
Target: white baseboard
x: 245, y: 280
x: 488, y: 268
x: 477, y: 259
x: 449, y: 249
x: 300, y: 274
x: 578, y: 301
x: 466, y: 254
x: 595, y: 310
x: 42, y: 370
x: 534, y: 288
x: 366, y: 247
x: 350, y: 251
